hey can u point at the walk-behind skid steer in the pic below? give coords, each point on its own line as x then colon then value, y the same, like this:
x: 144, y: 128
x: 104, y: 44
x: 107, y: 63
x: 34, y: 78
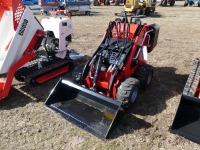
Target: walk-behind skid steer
x: 186, y: 122
x: 110, y: 80
x: 20, y: 37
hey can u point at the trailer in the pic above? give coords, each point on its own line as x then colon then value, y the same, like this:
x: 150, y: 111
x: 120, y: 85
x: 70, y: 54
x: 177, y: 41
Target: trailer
x: 71, y: 6
x: 79, y: 7
x: 30, y: 2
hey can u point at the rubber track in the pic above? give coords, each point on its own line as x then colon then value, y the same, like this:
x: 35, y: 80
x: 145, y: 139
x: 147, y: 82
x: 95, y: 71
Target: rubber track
x: 30, y: 70
x: 193, y: 80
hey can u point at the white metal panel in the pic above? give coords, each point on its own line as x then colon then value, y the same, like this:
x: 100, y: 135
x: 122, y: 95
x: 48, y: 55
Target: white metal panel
x: 19, y: 42
x: 6, y: 34
x: 60, y: 30
x: 64, y: 32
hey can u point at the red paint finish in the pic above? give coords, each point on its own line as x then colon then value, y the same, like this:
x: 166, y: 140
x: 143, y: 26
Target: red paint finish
x: 51, y: 75
x: 28, y: 55
x: 135, y: 33
x: 13, y: 5
x: 197, y: 93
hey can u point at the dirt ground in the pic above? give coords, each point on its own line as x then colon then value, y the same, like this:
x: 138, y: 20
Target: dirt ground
x: 26, y: 124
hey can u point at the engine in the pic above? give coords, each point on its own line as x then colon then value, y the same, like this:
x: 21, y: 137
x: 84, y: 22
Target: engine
x: 58, y: 35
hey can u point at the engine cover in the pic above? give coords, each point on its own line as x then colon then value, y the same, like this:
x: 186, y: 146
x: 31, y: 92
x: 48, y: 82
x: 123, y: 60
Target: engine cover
x: 62, y: 30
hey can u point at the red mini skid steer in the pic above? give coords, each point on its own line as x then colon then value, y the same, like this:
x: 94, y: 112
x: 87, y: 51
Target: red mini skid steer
x: 110, y: 80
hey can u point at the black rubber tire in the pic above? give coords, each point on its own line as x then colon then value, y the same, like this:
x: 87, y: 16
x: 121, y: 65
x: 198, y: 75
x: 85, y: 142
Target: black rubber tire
x: 185, y: 4
x: 33, y: 82
x: 191, y: 3
x: 107, y: 2
x: 77, y: 73
x: 164, y: 3
x: 117, y: 2
x: 70, y: 13
x: 198, y: 3
x: 172, y: 3
x: 144, y: 74
x: 138, y: 12
x: 126, y: 90
x: 87, y: 13
x: 19, y: 78
x: 96, y: 3
x: 148, y: 12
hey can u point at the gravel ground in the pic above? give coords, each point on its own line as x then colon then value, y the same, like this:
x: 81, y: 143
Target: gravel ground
x: 26, y: 124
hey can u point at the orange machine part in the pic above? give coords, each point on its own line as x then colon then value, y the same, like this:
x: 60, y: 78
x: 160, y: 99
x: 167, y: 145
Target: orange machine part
x: 197, y: 93
x: 29, y: 54
x: 51, y: 75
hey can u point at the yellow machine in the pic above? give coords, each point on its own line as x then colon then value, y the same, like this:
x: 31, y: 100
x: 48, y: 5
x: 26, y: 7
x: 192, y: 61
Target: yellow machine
x: 140, y: 7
